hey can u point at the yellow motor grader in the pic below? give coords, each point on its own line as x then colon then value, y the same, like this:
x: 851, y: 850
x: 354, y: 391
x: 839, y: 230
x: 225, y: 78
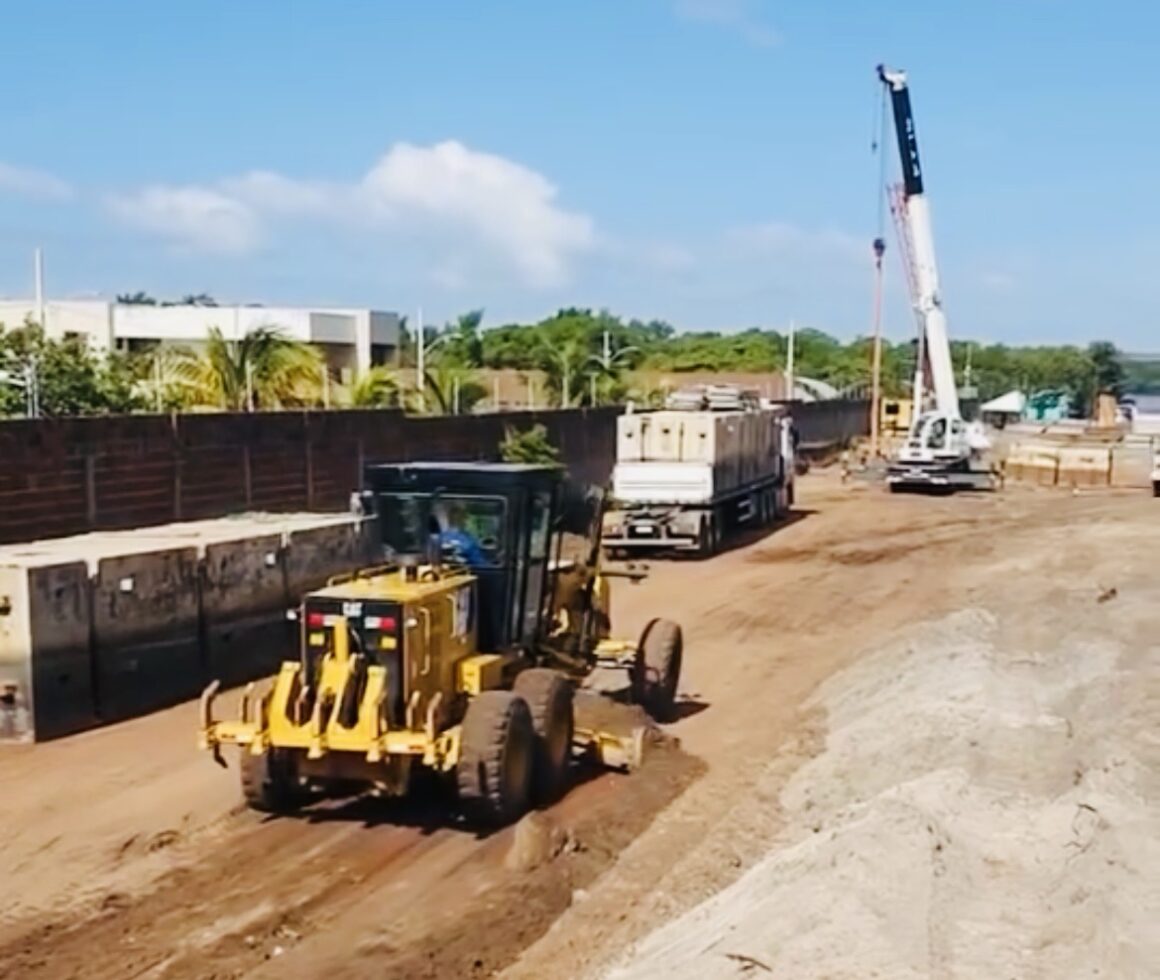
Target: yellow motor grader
x: 459, y: 656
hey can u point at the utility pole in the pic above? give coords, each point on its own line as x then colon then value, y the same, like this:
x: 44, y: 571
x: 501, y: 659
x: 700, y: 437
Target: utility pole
x: 38, y: 274
x: 495, y: 393
x: 789, y: 362
x: 421, y: 362
x: 876, y: 368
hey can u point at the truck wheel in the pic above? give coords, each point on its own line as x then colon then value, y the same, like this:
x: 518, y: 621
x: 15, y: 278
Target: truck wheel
x: 657, y: 669
x: 1156, y: 488
x: 789, y: 496
x: 705, y: 536
x: 269, y: 781
x: 494, y: 772
x: 549, y: 697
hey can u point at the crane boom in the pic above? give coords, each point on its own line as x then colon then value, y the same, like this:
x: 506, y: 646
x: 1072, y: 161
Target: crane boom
x: 928, y: 298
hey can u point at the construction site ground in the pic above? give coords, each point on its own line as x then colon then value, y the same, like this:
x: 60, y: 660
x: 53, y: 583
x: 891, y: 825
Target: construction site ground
x: 918, y: 738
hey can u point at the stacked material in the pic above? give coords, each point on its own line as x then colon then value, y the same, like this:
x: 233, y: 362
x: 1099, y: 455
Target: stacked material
x: 717, y: 398
x: 105, y: 626
x: 736, y: 447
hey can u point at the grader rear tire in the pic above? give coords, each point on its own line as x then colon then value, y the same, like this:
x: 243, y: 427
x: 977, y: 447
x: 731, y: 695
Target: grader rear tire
x: 496, y: 757
x: 269, y: 782
x: 549, y: 697
x: 657, y: 668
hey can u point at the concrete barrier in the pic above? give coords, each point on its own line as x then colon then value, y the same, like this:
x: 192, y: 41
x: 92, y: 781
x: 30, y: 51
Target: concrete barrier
x: 1132, y: 466
x: 1084, y: 466
x: 1031, y: 463
x: 243, y: 607
x: 45, y: 664
x: 146, y: 645
x: 111, y: 625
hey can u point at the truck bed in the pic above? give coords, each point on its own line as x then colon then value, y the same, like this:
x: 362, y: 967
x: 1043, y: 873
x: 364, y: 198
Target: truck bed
x: 677, y: 484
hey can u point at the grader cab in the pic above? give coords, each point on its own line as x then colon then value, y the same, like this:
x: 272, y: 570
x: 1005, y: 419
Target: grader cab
x: 460, y: 655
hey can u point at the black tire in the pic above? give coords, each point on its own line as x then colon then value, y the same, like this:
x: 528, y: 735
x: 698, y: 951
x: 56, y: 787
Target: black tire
x: 656, y: 672
x: 549, y: 697
x: 789, y: 496
x: 1156, y: 488
x: 494, y: 773
x: 705, y: 546
x: 270, y: 782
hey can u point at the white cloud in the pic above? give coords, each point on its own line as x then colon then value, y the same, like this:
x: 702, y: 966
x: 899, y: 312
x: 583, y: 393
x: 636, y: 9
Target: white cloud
x: 500, y: 203
x: 468, y: 208
x: 738, y: 15
x: 33, y: 183
x: 199, y: 218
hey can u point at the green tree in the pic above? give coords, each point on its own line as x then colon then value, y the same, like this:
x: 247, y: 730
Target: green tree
x: 264, y: 369
x: 70, y: 378
x: 138, y: 298
x: 1107, y: 368
x: 377, y: 388
x: 451, y: 389
x: 530, y: 446
x: 198, y: 299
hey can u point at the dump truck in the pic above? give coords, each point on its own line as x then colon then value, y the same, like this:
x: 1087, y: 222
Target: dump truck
x: 713, y: 460
x: 459, y: 656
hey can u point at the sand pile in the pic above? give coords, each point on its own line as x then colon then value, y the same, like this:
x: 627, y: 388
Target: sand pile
x: 981, y: 809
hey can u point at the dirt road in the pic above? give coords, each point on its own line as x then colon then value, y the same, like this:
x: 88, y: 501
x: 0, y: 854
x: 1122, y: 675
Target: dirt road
x: 126, y: 853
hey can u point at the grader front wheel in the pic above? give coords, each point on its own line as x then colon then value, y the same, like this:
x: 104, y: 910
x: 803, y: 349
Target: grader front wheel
x: 549, y: 697
x: 269, y: 782
x: 657, y: 669
x: 494, y: 772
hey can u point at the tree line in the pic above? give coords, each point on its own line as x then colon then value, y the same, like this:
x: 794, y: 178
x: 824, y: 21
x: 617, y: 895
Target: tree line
x: 580, y: 356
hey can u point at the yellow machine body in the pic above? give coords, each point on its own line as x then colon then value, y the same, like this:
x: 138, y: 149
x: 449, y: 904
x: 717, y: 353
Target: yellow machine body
x: 365, y: 702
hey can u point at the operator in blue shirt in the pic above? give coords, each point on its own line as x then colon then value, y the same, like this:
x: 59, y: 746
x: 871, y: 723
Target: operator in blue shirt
x: 454, y: 538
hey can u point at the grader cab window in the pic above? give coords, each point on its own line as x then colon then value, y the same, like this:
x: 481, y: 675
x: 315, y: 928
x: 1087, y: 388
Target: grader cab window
x: 473, y: 525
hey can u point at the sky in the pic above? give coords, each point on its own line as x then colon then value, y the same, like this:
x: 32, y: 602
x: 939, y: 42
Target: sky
x: 705, y: 162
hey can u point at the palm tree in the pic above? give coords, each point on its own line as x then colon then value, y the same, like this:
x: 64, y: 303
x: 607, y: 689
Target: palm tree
x: 198, y: 299
x: 454, y: 388
x: 564, y: 363
x: 264, y: 369
x: 377, y: 388
x: 138, y: 298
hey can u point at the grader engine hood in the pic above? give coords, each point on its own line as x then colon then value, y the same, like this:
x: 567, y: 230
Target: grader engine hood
x: 375, y: 630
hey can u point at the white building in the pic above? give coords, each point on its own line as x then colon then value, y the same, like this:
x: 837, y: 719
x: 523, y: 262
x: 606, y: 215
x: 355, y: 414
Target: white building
x: 352, y: 340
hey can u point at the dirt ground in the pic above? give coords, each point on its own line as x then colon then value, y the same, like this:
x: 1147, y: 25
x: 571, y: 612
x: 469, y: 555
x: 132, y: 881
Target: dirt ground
x: 126, y: 853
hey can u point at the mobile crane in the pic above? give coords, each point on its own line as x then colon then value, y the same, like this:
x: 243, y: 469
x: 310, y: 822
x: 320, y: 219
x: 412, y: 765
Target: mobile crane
x: 941, y: 450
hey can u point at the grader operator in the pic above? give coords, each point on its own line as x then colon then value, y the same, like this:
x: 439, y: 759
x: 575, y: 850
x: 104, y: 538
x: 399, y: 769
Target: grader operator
x: 460, y: 656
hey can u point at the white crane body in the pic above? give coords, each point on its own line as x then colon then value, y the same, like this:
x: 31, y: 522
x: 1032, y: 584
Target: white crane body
x: 941, y: 449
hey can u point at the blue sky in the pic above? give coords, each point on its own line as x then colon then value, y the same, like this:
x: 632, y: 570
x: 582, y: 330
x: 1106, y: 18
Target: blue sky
x: 703, y: 161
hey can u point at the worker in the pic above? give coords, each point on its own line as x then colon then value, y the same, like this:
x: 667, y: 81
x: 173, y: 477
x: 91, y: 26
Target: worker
x: 456, y: 539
